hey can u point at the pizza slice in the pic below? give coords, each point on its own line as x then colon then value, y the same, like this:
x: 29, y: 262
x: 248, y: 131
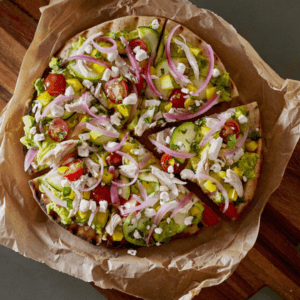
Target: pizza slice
x: 221, y: 153
x: 120, y: 195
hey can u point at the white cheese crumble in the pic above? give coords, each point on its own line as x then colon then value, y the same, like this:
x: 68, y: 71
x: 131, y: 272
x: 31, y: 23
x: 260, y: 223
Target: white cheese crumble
x: 69, y: 91
x: 168, y: 220
x: 188, y: 220
x: 170, y: 169
x: 93, y: 205
x: 130, y: 99
x: 112, y: 56
x: 242, y: 119
x: 57, y: 111
x: 150, y: 212
x: 185, y: 90
x: 181, y: 68
x: 32, y: 130
x: 84, y: 205
x: 88, y: 49
x: 138, y: 215
x: 152, y: 102
x: 132, y: 252
x: 94, y: 109
x: 106, y: 74
x: 39, y: 137
x: 215, y: 73
x: 128, y: 170
x: 168, y: 139
x: 137, y: 235
x: 87, y: 83
x: 164, y: 196
x: 216, y: 168
x: 115, y: 119
x: 83, y: 150
x: 155, y: 24
x: 115, y: 72
x: 245, y: 179
x: 187, y: 174
x: 141, y: 55
x: 139, y: 152
x: 103, y: 206
x: 158, y: 230
x: 84, y: 136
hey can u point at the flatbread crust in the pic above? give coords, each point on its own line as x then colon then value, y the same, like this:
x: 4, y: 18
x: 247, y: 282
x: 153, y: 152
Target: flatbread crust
x: 128, y: 23
x: 196, y: 41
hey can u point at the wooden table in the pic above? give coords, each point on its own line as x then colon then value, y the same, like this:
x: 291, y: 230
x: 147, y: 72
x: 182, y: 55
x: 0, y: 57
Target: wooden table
x: 274, y: 260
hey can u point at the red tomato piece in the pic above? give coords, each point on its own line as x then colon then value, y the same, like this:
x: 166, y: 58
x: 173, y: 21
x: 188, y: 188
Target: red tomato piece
x: 114, y: 159
x: 58, y: 130
x: 230, y: 127
x: 101, y: 193
x: 75, y: 170
x: 231, y: 212
x: 55, y: 84
x: 138, y: 42
x: 209, y: 218
x: 69, y: 158
x: 116, y: 90
x: 177, y: 98
x: 165, y: 163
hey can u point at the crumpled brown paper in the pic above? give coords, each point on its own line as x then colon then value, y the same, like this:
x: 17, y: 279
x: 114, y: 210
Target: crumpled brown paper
x: 180, y: 269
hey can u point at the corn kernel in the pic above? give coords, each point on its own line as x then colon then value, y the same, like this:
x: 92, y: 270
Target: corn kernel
x: 75, y: 83
x: 44, y: 98
x: 101, y: 218
x: 166, y: 82
x: 98, y: 69
x: 188, y: 102
x: 94, y: 135
x: 107, y: 177
x: 168, y: 106
x: 62, y: 170
x: 210, y: 186
x: 86, y: 195
x: 117, y: 235
x: 196, y: 51
x: 238, y: 172
x: 191, y: 87
x: 251, y: 146
x: 84, y: 215
x: 123, y: 110
x: 94, y: 52
x: 222, y: 174
x: 232, y: 194
x: 204, y: 130
x: 72, y: 195
x: 210, y: 92
x: 194, y: 211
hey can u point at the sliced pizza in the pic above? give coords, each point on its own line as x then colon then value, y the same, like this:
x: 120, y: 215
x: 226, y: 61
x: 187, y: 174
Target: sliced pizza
x: 221, y: 153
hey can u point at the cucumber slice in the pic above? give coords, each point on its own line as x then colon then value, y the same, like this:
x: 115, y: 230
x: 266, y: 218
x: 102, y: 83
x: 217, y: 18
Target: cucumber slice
x: 148, y: 177
x: 125, y: 189
x: 150, y: 183
x: 150, y: 37
x: 65, y: 116
x: 179, y: 220
x: 128, y: 230
x: 102, y: 139
x: 55, y: 181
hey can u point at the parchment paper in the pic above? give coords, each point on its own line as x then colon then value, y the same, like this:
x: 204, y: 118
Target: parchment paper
x: 180, y: 269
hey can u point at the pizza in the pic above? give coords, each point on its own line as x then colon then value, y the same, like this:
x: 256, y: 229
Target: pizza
x: 105, y: 88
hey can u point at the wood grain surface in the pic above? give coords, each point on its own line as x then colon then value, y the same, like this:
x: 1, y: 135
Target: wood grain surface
x: 274, y: 260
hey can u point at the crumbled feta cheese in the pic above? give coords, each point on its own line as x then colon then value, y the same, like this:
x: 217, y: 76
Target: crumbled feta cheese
x: 164, y: 196
x: 115, y: 72
x: 152, y: 103
x: 163, y: 188
x: 97, y: 91
x: 198, y: 103
x: 148, y: 227
x: 137, y: 235
x: 92, y: 166
x: 94, y: 109
x: 158, y: 244
x: 84, y: 136
x: 106, y: 74
x: 257, y: 129
x: 33, y: 130
x: 170, y: 169
x: 187, y: 174
x: 242, y: 119
x: 114, y: 221
x: 69, y: 91
x: 128, y: 170
x: 112, y: 144
x: 87, y: 83
x: 83, y: 150
x: 150, y: 212
x: 88, y: 49
x: 188, y: 220
x: 211, y: 122
x: 245, y: 178
x: 93, y: 205
x: 138, y: 215
x: 181, y: 68
x: 120, y: 192
x: 168, y: 220
x: 130, y: 99
x: 91, y: 181
x: 84, y: 205
x: 112, y: 56
x: 179, y: 143
x: 142, y: 125
x: 141, y: 55
x: 215, y: 73
x: 215, y: 146
x: 136, y: 49
x: 168, y: 139
x: 158, y: 230
x: 57, y: 111
x: 39, y: 137
x: 132, y: 252
x: 140, y: 151
x: 230, y: 159
x: 229, y: 113
x: 103, y: 206
x: 65, y: 182
x: 115, y: 119
x: 185, y: 90
x: 216, y: 168
x: 155, y: 24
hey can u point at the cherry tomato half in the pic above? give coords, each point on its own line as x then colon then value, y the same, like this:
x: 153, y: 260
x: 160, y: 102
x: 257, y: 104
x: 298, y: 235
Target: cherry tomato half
x: 116, y: 90
x: 177, y: 98
x: 231, y: 212
x: 165, y: 163
x: 58, y: 130
x: 114, y: 159
x: 75, y: 170
x: 55, y: 84
x: 230, y: 127
x: 138, y: 42
x: 101, y: 193
x: 209, y: 217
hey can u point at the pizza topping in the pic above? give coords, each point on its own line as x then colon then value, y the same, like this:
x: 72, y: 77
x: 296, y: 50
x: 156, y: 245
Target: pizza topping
x: 111, y: 49
x: 55, y: 84
x: 130, y: 99
x: 215, y: 73
x: 235, y: 181
x: 57, y: 111
x: 39, y: 137
x: 114, y: 221
x: 170, y: 165
x: 177, y: 98
x: 182, y: 204
x: 215, y: 147
x: 116, y: 147
x: 55, y: 101
x: 155, y: 24
x: 187, y: 174
x: 58, y: 130
x: 53, y: 198
x: 231, y: 127
x: 242, y: 119
x: 74, y: 171
x: 100, y: 130
x: 210, y: 218
x: 116, y: 90
x: 30, y: 155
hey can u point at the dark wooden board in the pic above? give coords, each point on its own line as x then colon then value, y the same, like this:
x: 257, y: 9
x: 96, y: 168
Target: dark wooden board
x: 274, y: 260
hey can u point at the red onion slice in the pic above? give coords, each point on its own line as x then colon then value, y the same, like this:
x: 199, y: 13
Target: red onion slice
x: 100, y: 176
x: 112, y: 171
x: 111, y: 49
x: 53, y: 198
x: 135, y: 106
x: 145, y: 160
x: 150, y: 81
x: 145, y: 204
x: 182, y: 204
x: 132, y: 59
x: 215, y: 128
x: 102, y: 131
x: 159, y: 215
x: 171, y: 152
x: 219, y: 186
x: 55, y: 101
x: 78, y: 128
x: 137, y: 170
x: 104, y: 119
x: 114, y: 192
x: 239, y: 144
x: 210, y: 69
x: 117, y: 147
x: 89, y: 59
x: 137, y: 198
x: 209, y: 104
x: 30, y: 155
x: 142, y: 191
x: 92, y: 216
x: 169, y: 58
